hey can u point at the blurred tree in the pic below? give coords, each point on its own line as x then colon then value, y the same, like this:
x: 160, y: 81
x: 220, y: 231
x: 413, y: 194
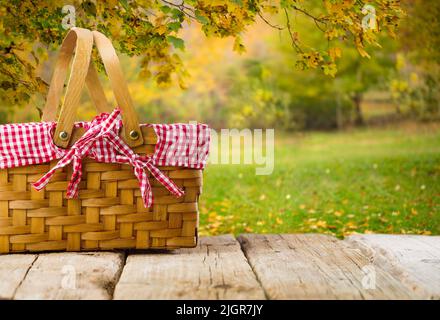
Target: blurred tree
x: 150, y: 29
x: 357, y: 77
x: 415, y: 85
x: 314, y: 101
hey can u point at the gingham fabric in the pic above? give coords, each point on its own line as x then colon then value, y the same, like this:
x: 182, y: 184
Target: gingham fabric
x: 185, y: 145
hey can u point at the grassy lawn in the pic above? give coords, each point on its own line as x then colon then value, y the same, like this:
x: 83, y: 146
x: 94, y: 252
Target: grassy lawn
x: 365, y: 181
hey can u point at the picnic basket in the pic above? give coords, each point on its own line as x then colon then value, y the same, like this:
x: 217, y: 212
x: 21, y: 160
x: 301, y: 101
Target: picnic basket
x: 139, y: 199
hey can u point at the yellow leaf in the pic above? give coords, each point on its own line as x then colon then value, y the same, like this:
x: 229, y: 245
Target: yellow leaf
x: 362, y: 51
x: 238, y: 45
x: 162, y: 29
x: 321, y: 224
x: 335, y: 53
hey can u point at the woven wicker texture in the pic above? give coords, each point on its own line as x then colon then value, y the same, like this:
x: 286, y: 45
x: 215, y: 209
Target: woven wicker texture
x: 108, y: 214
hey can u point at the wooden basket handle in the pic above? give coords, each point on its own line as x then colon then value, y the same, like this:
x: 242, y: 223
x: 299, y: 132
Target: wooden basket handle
x: 75, y: 37
x: 96, y: 91
x: 132, y: 133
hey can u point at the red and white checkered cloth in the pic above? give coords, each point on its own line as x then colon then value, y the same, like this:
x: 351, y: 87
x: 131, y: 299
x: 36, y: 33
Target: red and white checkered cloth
x: 185, y: 145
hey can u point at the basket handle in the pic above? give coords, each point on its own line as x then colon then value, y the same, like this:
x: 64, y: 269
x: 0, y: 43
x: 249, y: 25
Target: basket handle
x: 132, y: 133
x: 76, y: 38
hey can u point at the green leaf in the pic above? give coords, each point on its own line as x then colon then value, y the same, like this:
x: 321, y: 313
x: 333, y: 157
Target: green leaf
x: 165, y: 9
x: 238, y: 2
x: 174, y: 26
x: 284, y: 4
x: 200, y: 18
x: 125, y: 4
x: 89, y: 8
x: 177, y: 14
x: 176, y: 42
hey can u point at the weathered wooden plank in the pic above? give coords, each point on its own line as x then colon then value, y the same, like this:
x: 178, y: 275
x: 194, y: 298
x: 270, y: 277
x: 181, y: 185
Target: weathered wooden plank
x: 13, y: 269
x: 413, y: 259
x: 312, y: 266
x: 72, y: 276
x: 216, y: 269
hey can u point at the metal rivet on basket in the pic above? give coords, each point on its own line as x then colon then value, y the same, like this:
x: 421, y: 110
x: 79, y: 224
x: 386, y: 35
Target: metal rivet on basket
x: 134, y: 135
x: 64, y: 135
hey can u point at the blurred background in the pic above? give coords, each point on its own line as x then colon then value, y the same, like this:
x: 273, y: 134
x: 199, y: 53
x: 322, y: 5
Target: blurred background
x: 358, y: 152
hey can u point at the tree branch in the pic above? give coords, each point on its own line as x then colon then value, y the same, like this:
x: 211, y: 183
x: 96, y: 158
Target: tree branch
x: 182, y: 7
x: 289, y: 28
x: 269, y: 23
x: 315, y: 19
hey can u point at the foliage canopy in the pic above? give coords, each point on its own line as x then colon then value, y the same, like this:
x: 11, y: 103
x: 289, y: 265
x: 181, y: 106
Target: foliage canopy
x: 150, y: 29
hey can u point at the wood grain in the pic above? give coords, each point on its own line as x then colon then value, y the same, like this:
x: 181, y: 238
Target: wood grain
x: 216, y: 269
x: 13, y: 269
x: 307, y: 266
x: 312, y: 266
x: 120, y: 88
x: 75, y: 84
x: 72, y: 276
x: 413, y: 259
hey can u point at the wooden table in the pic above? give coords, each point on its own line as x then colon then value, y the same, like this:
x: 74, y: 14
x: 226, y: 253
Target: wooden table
x: 251, y: 266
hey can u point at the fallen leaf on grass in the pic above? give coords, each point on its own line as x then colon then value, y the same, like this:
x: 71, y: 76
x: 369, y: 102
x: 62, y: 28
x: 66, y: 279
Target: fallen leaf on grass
x: 338, y: 213
x: 351, y: 225
x: 321, y: 224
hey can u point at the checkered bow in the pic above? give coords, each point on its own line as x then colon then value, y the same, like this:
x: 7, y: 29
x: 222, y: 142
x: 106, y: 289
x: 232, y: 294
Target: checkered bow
x: 177, y: 145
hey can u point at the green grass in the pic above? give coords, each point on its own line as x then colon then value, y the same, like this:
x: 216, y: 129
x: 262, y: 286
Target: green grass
x: 365, y: 181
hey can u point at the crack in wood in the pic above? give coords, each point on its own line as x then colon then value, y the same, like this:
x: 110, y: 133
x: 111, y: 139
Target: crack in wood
x: 247, y: 267
x: 24, y: 277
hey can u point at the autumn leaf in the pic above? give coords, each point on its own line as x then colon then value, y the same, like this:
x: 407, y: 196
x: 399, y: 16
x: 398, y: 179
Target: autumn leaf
x: 330, y: 69
x: 334, y: 53
x: 144, y: 29
x: 176, y: 42
x: 238, y: 45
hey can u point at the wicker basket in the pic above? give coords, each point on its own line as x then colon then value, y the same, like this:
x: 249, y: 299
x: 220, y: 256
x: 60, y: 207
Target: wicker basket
x: 109, y: 212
